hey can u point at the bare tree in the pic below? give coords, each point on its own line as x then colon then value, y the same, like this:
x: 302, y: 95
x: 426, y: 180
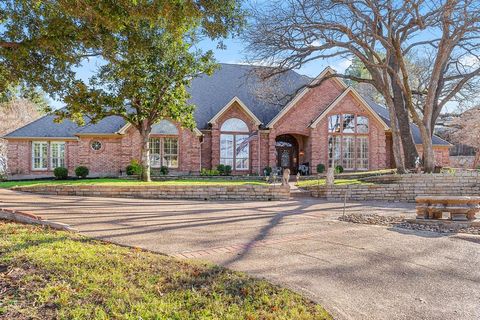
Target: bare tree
x: 382, y: 34
x: 14, y: 114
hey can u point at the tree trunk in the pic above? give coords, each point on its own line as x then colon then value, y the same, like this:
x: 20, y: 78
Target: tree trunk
x: 428, y: 154
x: 145, y: 152
x: 396, y: 140
x: 410, y: 152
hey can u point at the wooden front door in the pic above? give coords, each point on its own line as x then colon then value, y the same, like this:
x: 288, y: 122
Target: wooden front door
x: 287, y: 153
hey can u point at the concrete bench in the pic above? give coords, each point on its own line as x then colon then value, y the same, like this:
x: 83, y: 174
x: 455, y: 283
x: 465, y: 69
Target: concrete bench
x: 460, y: 208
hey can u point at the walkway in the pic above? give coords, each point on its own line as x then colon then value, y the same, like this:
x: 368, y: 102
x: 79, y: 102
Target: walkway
x: 355, y: 271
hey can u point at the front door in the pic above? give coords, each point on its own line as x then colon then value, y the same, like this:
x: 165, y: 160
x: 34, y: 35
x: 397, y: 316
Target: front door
x: 287, y: 153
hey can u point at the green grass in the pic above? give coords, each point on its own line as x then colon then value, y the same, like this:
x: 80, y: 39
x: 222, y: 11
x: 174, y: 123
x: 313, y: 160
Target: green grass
x: 47, y: 274
x: 126, y: 182
x: 371, y: 173
x: 316, y: 182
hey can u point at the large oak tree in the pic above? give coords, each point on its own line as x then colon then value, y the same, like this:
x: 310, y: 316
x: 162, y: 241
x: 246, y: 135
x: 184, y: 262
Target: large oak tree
x: 143, y: 82
x: 383, y: 35
x: 42, y: 41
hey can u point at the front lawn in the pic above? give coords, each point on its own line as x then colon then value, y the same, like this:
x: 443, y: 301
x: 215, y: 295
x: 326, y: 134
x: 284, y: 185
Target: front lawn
x: 47, y: 274
x: 321, y: 182
x: 127, y: 182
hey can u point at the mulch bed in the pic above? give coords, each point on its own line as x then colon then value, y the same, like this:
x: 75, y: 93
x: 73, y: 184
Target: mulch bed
x: 400, y: 222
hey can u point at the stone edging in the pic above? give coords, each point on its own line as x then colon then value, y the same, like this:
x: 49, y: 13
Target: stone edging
x: 192, y: 192
x: 30, y: 218
x: 404, y: 188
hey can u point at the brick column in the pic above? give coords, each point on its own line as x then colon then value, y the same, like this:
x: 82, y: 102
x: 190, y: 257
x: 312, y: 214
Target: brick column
x: 215, y: 146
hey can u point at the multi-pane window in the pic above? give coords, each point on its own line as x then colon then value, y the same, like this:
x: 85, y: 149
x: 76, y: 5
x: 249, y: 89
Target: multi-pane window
x: 155, y: 153
x: 170, y: 152
x: 348, y: 146
x: 234, y: 144
x: 362, y: 153
x: 57, y: 154
x: 164, y: 152
x: 226, y: 149
x: 334, y: 147
x: 39, y: 155
x: 241, y: 151
x: 348, y: 141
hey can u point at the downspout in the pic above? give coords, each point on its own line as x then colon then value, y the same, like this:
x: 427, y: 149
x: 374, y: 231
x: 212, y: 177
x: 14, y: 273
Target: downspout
x: 201, y: 143
x: 259, y: 153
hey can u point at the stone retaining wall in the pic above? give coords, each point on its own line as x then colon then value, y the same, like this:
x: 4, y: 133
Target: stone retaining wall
x: 244, y: 192
x: 404, y: 187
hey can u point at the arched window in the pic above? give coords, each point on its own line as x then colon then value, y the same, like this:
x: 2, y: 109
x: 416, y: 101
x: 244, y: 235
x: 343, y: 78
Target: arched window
x: 348, y: 141
x: 164, y: 145
x: 234, y: 144
x: 234, y: 125
x: 164, y: 127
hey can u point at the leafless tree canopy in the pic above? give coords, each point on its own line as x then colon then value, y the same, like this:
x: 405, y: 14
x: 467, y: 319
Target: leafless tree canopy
x: 468, y: 130
x: 443, y: 35
x: 13, y: 115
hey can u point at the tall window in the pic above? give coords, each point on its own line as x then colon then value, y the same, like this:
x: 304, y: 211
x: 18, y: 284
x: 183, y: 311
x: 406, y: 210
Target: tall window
x: 57, y: 154
x: 39, y: 155
x: 348, y: 141
x: 170, y: 152
x: 163, y: 148
x: 164, y: 152
x: 234, y: 144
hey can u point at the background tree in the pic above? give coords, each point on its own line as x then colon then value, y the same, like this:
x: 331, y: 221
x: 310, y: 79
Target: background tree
x: 144, y: 82
x: 357, y: 69
x: 467, y: 131
x: 17, y: 108
x: 382, y: 35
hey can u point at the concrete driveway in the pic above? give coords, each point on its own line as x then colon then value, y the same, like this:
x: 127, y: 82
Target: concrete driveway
x: 354, y: 271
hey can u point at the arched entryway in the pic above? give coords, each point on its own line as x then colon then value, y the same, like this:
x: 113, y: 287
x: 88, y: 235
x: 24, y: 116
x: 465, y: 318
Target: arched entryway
x: 287, y: 152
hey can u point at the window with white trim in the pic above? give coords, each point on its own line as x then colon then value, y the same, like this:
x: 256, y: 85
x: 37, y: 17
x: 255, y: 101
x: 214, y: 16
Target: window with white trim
x: 348, y: 141
x: 57, y: 154
x: 164, y: 152
x: 235, y: 144
x: 39, y: 155
x: 170, y: 152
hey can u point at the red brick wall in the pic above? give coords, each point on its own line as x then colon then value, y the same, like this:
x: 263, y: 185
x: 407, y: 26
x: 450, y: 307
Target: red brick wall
x: 115, y: 154
x: 297, y: 120
x: 19, y: 157
x: 442, y: 156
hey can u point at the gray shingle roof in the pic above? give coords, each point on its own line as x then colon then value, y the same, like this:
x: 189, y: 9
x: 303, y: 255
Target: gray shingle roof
x: 265, y: 98
x: 211, y: 94
x: 417, y: 137
x: 45, y: 127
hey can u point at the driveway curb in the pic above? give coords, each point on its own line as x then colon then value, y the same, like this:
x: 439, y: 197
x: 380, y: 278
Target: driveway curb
x: 30, y: 218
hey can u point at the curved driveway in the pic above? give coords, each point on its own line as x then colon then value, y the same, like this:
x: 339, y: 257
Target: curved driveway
x: 354, y: 271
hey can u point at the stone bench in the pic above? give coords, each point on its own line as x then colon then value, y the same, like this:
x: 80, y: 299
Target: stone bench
x: 460, y: 208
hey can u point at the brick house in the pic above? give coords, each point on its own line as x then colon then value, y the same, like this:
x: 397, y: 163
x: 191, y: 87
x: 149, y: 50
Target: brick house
x: 242, y: 120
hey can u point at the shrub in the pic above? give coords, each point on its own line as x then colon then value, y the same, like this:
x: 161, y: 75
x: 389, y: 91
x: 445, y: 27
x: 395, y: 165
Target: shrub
x: 134, y: 168
x: 320, y: 168
x: 228, y: 170
x: 221, y: 169
x: 267, y: 171
x: 81, y: 172
x: 60, y: 173
x: 338, y: 169
x: 207, y: 172
x: 164, y: 170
